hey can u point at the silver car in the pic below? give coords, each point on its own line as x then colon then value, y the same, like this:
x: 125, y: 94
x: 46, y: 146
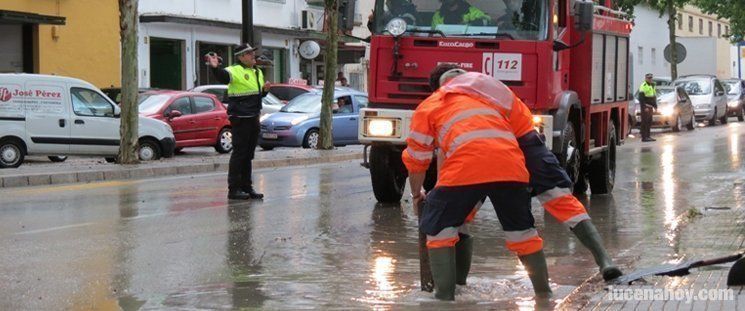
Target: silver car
x: 735, y: 98
x: 674, y: 110
x: 707, y: 96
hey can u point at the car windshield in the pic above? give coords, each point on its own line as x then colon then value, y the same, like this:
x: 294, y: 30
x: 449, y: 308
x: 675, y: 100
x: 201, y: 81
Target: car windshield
x: 150, y: 104
x: 306, y: 103
x: 270, y: 99
x: 695, y: 87
x: 514, y: 19
x: 733, y: 87
x: 664, y: 91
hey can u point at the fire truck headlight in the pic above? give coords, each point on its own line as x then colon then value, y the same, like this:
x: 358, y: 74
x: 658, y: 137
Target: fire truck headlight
x: 396, y: 27
x: 380, y: 128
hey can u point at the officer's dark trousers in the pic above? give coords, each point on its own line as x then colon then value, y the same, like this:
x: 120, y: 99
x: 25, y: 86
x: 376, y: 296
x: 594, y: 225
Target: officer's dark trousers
x: 646, y: 121
x: 245, y: 136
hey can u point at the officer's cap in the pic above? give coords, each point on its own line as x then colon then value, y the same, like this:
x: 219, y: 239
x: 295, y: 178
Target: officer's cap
x: 244, y: 48
x: 648, y: 76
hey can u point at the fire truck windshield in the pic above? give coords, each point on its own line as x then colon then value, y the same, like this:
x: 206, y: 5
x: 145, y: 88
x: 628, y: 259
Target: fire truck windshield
x: 515, y: 19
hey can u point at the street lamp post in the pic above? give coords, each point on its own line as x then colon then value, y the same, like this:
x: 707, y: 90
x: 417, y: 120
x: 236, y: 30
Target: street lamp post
x: 247, y: 28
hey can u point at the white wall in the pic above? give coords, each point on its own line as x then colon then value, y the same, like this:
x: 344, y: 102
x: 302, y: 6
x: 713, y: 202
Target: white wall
x: 702, y: 56
x: 649, y: 32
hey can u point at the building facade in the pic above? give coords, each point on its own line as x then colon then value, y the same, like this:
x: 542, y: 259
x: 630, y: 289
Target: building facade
x: 174, y: 35
x: 693, y: 23
x: 69, y: 38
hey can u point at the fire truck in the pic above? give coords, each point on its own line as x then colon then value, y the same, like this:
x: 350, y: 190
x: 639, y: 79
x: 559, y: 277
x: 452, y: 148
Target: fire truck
x: 568, y: 60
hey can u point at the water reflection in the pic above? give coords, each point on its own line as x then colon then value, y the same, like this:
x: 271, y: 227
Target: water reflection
x: 245, y: 268
x: 734, y: 146
x: 667, y: 160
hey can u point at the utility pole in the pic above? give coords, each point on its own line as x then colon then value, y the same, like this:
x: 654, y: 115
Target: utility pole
x: 247, y: 31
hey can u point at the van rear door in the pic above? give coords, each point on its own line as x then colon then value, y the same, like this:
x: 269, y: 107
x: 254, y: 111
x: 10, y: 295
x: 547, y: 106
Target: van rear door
x: 47, y: 117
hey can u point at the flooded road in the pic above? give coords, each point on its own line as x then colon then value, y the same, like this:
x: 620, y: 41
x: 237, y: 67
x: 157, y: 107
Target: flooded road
x: 319, y: 240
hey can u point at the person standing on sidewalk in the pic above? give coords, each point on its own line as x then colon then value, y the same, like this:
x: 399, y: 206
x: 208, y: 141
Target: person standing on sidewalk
x: 475, y: 122
x: 246, y: 88
x: 647, y: 102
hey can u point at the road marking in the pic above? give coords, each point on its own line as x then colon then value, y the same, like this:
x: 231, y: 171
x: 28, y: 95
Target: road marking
x: 77, y: 187
x: 55, y: 228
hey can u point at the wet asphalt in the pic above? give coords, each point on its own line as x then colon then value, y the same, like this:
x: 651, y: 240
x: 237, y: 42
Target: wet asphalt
x: 319, y: 239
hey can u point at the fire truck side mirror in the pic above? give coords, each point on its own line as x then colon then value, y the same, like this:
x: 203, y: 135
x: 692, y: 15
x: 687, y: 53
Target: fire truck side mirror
x: 584, y: 14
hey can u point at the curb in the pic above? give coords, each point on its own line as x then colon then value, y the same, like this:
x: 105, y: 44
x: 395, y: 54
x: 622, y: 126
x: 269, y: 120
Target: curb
x: 138, y: 172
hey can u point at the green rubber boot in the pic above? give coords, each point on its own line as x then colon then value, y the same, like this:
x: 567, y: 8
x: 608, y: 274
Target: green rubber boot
x: 535, y: 264
x: 442, y: 262
x: 463, y: 254
x: 590, y: 238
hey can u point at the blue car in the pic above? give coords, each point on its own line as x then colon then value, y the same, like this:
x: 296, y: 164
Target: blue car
x: 297, y: 123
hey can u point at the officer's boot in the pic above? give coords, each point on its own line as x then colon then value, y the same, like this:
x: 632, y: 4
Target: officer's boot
x: 463, y: 254
x: 590, y: 238
x: 442, y: 263
x: 535, y: 264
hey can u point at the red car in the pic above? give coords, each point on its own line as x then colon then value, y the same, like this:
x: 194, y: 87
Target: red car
x: 286, y: 92
x: 197, y: 119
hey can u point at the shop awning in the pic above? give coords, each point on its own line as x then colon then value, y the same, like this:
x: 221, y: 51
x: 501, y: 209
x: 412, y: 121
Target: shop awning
x: 15, y: 17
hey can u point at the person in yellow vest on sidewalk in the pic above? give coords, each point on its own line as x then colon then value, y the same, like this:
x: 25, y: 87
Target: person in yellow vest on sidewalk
x: 246, y: 88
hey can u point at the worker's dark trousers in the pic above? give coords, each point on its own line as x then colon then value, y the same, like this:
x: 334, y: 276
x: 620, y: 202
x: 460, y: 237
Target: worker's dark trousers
x: 646, y: 121
x: 245, y: 136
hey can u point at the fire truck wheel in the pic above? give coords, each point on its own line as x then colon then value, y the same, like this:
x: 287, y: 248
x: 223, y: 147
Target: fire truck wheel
x: 603, y: 170
x: 387, y: 173
x: 570, y: 157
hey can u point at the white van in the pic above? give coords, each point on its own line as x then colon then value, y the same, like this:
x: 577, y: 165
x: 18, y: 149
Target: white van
x: 58, y: 116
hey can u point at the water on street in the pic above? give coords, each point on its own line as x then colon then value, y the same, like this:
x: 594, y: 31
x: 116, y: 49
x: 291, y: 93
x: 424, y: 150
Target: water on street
x: 319, y: 240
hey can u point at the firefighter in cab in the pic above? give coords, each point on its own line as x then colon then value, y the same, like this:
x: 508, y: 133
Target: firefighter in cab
x: 459, y: 12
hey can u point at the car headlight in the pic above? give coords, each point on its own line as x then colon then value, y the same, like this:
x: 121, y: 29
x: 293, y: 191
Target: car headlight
x: 396, y: 27
x: 381, y: 127
x: 667, y: 111
x: 297, y: 120
x: 732, y: 104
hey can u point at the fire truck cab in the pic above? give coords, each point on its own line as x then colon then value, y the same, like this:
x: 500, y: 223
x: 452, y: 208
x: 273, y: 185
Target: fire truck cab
x: 566, y: 59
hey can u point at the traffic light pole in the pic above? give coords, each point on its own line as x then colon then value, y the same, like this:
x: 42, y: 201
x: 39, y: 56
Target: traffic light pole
x: 247, y: 30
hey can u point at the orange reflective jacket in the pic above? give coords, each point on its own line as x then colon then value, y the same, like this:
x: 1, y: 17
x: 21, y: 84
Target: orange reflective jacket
x: 475, y: 121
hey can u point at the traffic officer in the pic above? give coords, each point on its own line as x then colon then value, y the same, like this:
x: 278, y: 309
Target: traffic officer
x: 246, y: 88
x: 459, y: 12
x: 647, y: 102
x: 475, y: 123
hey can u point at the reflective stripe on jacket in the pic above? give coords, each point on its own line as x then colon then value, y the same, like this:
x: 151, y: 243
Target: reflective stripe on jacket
x: 475, y: 121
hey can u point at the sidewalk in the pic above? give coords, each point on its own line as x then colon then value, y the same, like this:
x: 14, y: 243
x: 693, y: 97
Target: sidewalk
x: 715, y: 233
x: 38, y: 171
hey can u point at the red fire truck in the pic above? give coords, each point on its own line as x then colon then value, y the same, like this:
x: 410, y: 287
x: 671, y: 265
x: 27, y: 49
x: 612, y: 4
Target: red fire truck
x: 568, y: 60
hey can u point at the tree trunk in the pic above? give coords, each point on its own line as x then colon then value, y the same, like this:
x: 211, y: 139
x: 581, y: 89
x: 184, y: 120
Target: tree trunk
x: 129, y: 128
x: 329, y: 77
x: 672, y: 16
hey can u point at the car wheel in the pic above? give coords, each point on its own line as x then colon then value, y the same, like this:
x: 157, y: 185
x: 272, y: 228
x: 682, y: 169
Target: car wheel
x: 678, y: 125
x: 312, y: 139
x: 265, y: 147
x: 692, y: 125
x: 224, y: 141
x: 149, y: 150
x: 724, y: 118
x: 57, y: 159
x: 713, y: 120
x: 12, y: 153
x: 741, y: 115
x: 110, y: 159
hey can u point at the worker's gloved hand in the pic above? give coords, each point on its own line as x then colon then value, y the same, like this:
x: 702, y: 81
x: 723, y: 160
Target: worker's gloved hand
x: 418, y: 201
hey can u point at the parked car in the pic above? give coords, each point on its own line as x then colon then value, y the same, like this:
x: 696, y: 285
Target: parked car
x: 662, y: 81
x: 674, y: 109
x: 58, y: 116
x: 197, y: 119
x: 270, y: 103
x: 297, y: 123
x: 287, y: 92
x: 707, y: 96
x: 115, y: 93
x: 735, y: 98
